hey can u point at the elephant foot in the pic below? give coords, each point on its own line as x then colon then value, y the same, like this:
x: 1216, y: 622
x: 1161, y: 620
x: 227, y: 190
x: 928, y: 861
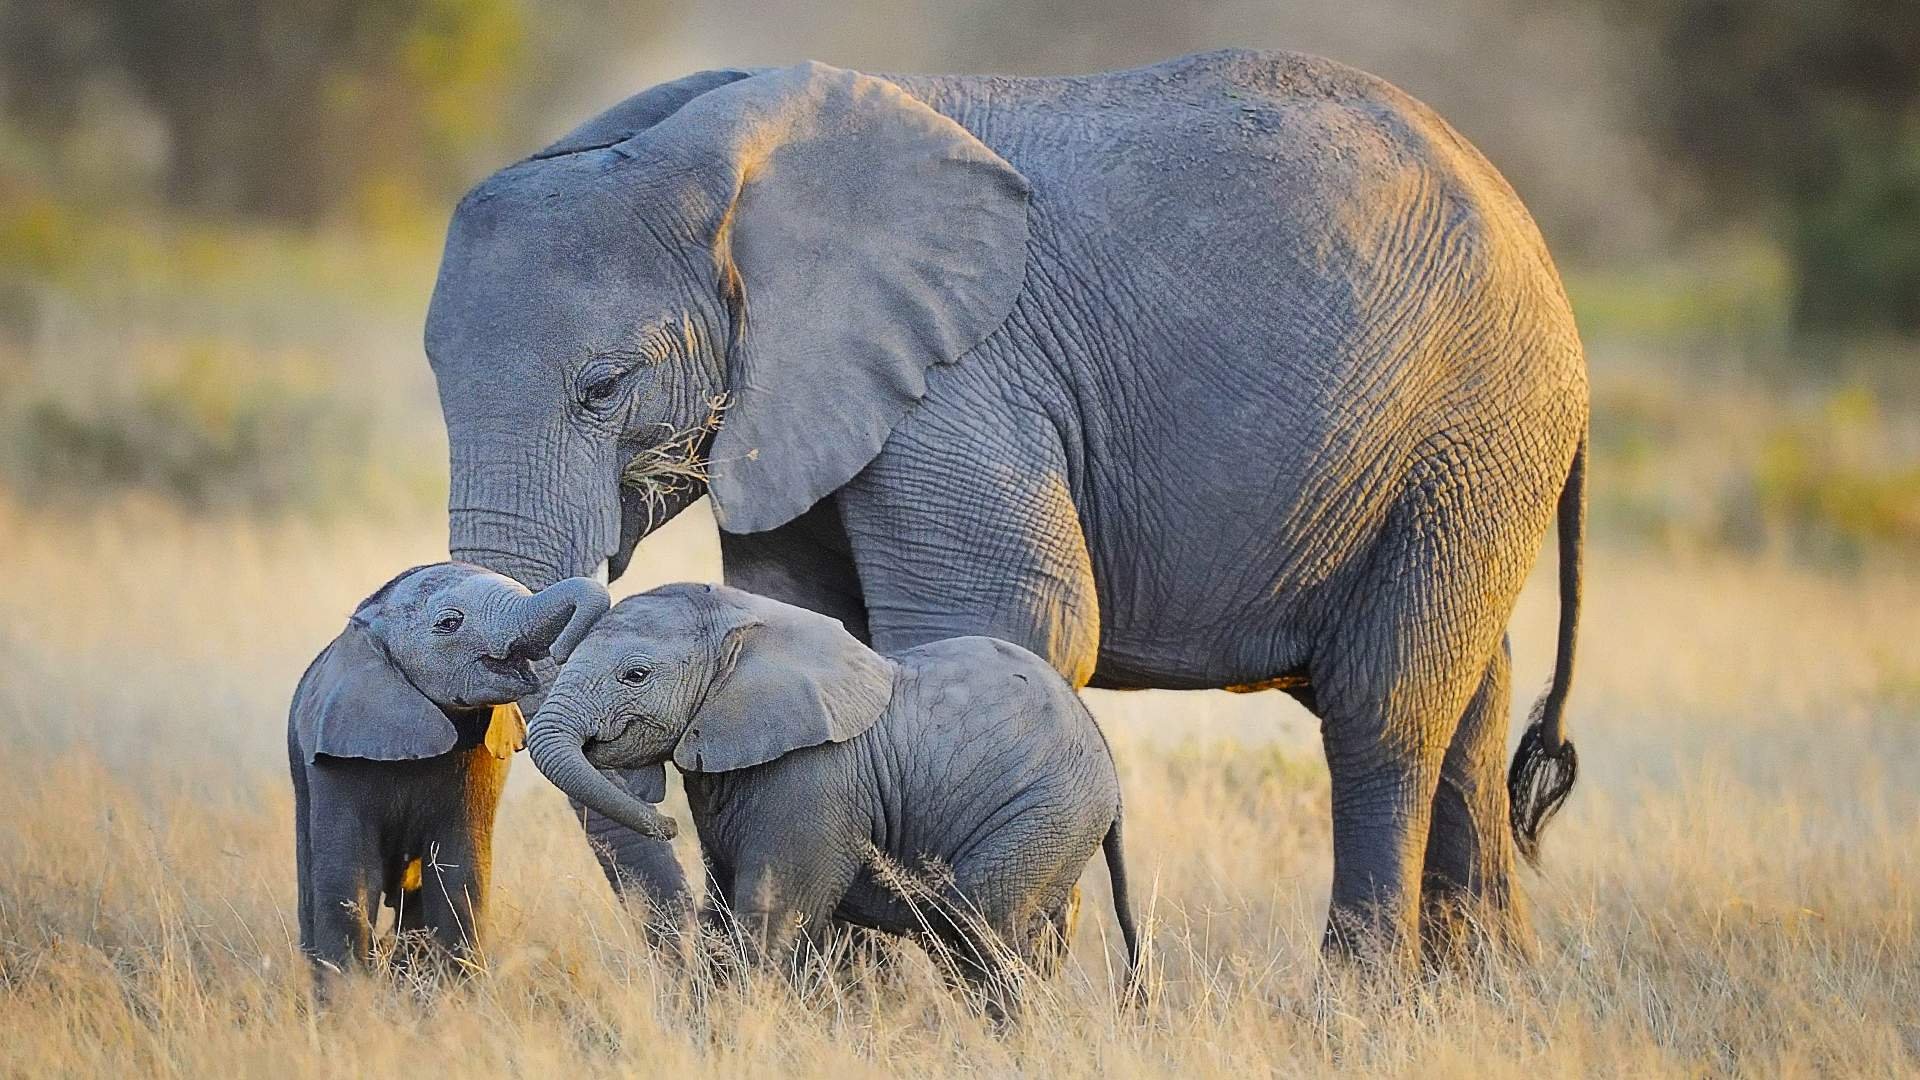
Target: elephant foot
x: 1461, y: 932
x: 1370, y: 940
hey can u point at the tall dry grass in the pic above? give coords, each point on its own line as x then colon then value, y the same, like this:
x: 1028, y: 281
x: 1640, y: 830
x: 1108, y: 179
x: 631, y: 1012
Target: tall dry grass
x: 1732, y: 888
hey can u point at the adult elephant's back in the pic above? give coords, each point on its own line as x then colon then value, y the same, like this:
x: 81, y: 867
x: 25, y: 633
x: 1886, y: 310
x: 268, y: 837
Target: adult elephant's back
x: 1282, y: 292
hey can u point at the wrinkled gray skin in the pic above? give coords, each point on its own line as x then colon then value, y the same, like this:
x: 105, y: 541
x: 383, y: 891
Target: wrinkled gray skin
x: 804, y: 751
x: 385, y: 741
x: 1240, y: 370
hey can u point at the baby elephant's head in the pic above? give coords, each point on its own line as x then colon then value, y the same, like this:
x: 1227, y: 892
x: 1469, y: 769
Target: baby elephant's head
x: 715, y: 678
x: 438, y: 637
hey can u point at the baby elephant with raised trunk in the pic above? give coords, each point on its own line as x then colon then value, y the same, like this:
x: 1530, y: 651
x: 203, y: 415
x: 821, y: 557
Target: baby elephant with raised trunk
x: 818, y: 769
x: 399, y: 753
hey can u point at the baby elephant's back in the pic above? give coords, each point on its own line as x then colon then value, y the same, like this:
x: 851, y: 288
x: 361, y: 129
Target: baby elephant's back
x: 993, y: 732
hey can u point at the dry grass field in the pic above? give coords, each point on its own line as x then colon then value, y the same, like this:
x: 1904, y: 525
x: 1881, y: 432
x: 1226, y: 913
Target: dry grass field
x: 1732, y: 888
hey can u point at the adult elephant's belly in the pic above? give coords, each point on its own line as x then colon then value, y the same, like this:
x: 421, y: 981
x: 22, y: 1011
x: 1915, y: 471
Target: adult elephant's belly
x: 1215, y: 560
x: 1214, y: 627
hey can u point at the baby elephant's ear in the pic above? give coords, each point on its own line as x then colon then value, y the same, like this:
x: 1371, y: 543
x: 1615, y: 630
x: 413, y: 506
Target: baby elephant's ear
x: 797, y: 679
x: 356, y: 704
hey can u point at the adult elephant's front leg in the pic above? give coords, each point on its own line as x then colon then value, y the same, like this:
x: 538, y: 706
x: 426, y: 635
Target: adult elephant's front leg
x: 639, y: 868
x: 808, y: 562
x: 947, y: 544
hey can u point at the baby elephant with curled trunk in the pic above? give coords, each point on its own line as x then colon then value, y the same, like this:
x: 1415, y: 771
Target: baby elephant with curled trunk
x: 816, y: 769
x: 399, y: 740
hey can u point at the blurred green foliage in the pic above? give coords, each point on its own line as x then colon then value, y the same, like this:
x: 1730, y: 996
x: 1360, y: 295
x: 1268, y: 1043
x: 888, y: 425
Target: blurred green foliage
x: 226, y: 366
x: 1690, y: 457
x: 279, y: 110
x: 213, y: 427
x: 301, y: 110
x: 53, y: 244
x: 1728, y: 296
x: 1803, y: 115
x: 1823, y: 475
x: 218, y: 227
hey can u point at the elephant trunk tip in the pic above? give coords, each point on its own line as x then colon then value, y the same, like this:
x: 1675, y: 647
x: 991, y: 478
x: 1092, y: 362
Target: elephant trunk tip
x: 560, y: 756
x: 557, y: 618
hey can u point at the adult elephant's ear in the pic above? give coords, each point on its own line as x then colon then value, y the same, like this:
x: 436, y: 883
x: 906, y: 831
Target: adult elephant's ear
x: 790, y: 678
x: 868, y: 238
x: 354, y: 703
x: 640, y: 112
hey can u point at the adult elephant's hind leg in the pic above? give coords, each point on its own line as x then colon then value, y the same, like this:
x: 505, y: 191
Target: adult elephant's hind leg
x: 1382, y: 804
x: 1391, y: 684
x: 1469, y: 897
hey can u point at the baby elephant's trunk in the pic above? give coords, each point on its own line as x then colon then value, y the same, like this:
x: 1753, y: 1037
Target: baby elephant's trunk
x: 1110, y: 847
x: 557, y: 617
x: 556, y: 751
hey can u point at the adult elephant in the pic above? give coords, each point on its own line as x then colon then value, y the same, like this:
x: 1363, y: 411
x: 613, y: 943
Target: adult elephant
x: 1240, y: 370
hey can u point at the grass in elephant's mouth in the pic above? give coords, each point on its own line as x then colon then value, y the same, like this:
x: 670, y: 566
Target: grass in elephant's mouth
x: 676, y: 465
x: 1735, y: 887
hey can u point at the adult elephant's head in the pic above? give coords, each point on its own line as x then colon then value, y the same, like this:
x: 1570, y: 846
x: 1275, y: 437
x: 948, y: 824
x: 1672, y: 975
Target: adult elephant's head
x: 805, y: 242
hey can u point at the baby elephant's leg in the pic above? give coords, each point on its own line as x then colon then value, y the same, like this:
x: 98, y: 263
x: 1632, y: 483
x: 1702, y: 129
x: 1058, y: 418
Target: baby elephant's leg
x: 1020, y: 899
x: 976, y: 947
x: 452, y: 897
x: 409, y: 912
x: 985, y: 926
x: 344, y: 876
x: 782, y: 903
x: 1055, y: 934
x: 457, y: 867
x: 719, y: 942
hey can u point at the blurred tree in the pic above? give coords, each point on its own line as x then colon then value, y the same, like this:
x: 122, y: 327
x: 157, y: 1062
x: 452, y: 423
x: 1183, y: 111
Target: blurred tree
x: 1809, y: 111
x: 48, y: 52
x: 294, y: 109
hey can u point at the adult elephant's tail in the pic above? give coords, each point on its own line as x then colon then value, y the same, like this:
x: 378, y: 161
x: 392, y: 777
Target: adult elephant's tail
x: 1545, y: 765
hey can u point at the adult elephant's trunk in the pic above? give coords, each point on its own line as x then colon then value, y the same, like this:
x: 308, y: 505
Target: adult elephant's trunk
x: 510, y: 513
x: 555, y: 747
x: 557, y: 617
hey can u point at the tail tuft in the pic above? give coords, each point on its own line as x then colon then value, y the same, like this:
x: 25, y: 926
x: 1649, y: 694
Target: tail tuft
x: 1538, y: 783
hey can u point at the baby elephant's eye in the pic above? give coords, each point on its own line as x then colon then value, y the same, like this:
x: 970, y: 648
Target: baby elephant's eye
x: 635, y: 675
x: 448, y: 622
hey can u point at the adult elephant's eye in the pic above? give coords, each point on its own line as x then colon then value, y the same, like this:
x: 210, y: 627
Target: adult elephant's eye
x: 635, y: 675
x: 600, y: 390
x: 448, y: 622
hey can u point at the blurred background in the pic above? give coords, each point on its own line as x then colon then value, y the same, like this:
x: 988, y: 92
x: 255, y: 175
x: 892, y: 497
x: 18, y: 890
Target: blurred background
x: 220, y: 220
